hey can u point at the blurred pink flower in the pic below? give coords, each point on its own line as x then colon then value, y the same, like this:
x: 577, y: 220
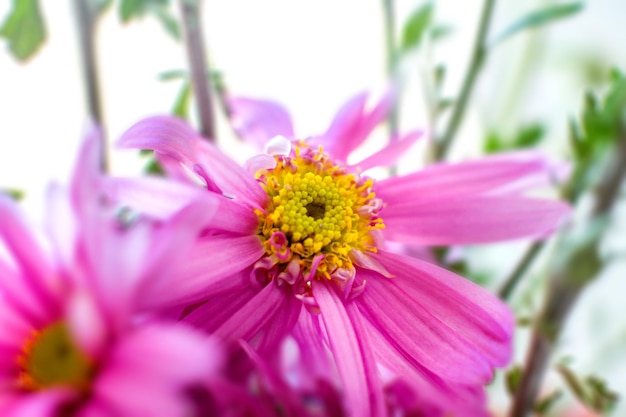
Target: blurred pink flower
x: 301, y: 227
x: 70, y: 343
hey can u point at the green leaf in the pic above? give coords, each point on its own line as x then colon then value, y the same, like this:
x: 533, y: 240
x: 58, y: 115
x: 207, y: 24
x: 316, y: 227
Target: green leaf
x: 177, y: 74
x: 540, y: 17
x: 168, y: 22
x: 13, y: 193
x: 590, y: 390
x: 181, y: 105
x: 439, y: 32
x: 526, y: 137
x: 24, y: 29
x: 512, y: 378
x: 544, y: 405
x: 416, y: 26
x: 134, y: 9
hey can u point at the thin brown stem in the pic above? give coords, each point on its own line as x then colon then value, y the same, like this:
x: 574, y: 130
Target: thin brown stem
x: 198, y: 65
x: 86, y: 19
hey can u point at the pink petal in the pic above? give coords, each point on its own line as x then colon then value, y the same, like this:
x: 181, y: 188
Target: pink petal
x: 148, y: 371
x: 222, y: 304
x: 479, y: 219
x: 87, y: 172
x: 314, y: 355
x: 349, y: 343
x: 449, y: 303
x: 422, y: 338
x: 174, y: 138
x: 211, y: 263
x: 343, y: 134
x: 261, y: 313
x: 22, y: 245
x: 507, y: 172
x: 432, y: 392
x: 390, y: 153
x: 258, y: 121
x: 87, y: 324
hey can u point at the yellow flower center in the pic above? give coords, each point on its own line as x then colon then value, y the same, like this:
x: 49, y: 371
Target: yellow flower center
x: 318, y: 213
x: 51, y: 358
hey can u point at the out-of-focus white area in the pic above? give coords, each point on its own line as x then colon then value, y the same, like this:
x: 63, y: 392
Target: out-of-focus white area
x: 312, y: 56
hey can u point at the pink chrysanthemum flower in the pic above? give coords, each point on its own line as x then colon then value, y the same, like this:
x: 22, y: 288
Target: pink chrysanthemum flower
x: 70, y: 343
x: 301, y: 227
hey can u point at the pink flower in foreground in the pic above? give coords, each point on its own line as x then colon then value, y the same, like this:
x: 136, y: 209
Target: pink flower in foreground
x: 300, y: 227
x: 70, y: 344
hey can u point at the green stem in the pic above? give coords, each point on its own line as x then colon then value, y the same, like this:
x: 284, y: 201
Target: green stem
x: 200, y: 80
x: 519, y: 271
x: 566, y: 286
x: 479, y: 52
x: 392, y: 58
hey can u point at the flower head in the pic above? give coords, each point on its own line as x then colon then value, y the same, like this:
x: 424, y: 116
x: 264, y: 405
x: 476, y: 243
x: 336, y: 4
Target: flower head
x: 302, y: 227
x: 72, y: 342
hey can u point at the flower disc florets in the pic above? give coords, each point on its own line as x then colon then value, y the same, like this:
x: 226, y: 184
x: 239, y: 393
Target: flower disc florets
x: 51, y: 358
x: 318, y: 213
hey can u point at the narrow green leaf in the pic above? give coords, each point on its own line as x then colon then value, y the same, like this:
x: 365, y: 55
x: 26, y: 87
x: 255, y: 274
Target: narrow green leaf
x: 168, y: 22
x: 540, y: 17
x: 177, y: 74
x: 416, y: 26
x: 439, y: 32
x: 24, y: 29
x: 181, y: 105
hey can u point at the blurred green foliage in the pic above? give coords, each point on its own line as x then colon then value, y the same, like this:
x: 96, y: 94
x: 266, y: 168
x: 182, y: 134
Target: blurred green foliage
x: 416, y: 25
x: 526, y: 137
x: 590, y: 390
x: 134, y: 9
x: 24, y: 29
x: 13, y: 193
x: 539, y: 18
x: 601, y: 124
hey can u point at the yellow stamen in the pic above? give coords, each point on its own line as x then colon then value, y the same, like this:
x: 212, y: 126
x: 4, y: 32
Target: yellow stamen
x: 51, y: 358
x: 316, y: 207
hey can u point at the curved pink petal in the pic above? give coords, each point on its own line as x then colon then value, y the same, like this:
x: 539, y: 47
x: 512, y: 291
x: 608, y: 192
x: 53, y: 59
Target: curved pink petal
x: 148, y: 371
x: 222, y: 304
x: 480, y: 219
x: 212, y: 262
x: 162, y: 199
x: 262, y: 313
x: 352, y: 125
x: 430, y: 393
x: 348, y: 341
x: 258, y: 120
x: 175, y: 139
x: 24, y: 248
x: 390, y: 153
x: 507, y: 172
x: 87, y: 175
x: 42, y: 404
x: 455, y: 305
x: 424, y: 339
x: 315, y: 359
